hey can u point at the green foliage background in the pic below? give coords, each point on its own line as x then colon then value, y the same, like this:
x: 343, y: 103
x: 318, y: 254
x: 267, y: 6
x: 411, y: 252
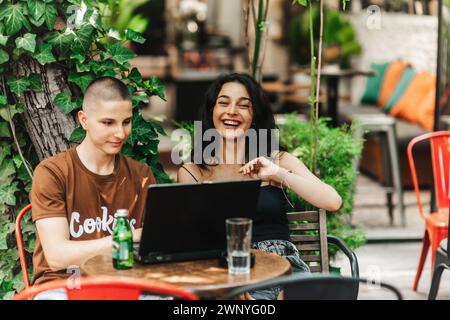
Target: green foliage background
x: 86, y: 47
x: 337, y: 150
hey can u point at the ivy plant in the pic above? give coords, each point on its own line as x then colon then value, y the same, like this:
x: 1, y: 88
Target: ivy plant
x: 74, y: 36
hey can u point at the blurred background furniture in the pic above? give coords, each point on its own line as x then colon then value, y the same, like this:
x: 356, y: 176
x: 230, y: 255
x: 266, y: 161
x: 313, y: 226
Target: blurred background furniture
x: 385, y: 127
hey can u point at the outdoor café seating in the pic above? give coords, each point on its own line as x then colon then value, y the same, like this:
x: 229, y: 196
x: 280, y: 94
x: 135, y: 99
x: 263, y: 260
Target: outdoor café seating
x: 318, y: 287
x: 107, y: 288
x: 128, y: 128
x: 436, y: 222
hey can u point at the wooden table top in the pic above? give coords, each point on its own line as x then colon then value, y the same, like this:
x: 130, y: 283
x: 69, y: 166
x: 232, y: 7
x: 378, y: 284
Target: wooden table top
x: 203, y: 277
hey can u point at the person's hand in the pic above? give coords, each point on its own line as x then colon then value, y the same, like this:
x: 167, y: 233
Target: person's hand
x: 137, y: 233
x: 264, y: 169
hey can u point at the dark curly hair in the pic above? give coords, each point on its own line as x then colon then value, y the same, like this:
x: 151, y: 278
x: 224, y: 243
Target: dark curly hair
x: 262, y: 113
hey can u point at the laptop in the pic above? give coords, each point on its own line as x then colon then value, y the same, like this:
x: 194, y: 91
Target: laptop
x: 187, y: 221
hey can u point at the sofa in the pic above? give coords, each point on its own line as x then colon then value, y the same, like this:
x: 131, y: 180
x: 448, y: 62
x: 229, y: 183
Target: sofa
x: 407, y: 96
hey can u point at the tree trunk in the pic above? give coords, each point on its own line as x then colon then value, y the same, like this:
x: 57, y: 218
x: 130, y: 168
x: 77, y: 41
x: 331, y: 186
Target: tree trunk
x: 48, y: 127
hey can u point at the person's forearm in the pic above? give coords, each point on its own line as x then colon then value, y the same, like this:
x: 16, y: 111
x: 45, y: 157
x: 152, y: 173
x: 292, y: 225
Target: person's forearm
x: 73, y: 253
x: 319, y: 195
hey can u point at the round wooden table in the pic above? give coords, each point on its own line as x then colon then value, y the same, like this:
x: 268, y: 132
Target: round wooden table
x: 202, y: 277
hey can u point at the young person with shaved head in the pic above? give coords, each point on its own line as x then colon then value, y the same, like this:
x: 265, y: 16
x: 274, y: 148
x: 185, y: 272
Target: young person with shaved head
x: 76, y: 193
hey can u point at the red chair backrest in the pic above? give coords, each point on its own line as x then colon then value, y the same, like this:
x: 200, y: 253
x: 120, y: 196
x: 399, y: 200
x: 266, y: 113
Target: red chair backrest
x: 20, y: 248
x: 440, y: 160
x: 107, y: 288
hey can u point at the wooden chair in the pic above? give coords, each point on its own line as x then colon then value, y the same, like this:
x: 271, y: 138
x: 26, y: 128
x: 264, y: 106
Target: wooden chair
x: 308, y: 231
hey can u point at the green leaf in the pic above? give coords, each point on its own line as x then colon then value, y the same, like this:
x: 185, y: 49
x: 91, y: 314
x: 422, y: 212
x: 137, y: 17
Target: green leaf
x: 83, y: 37
x: 17, y: 52
x: 77, y: 53
x: 78, y: 135
x: 4, y: 133
x: 17, y: 160
x: 134, y: 36
x: 36, y: 9
x: 7, y: 169
x: 4, y: 57
x: 83, y: 67
x: 50, y: 14
x: 18, y: 85
x: 64, y: 102
x: 82, y: 80
x: 3, y: 101
x: 27, y: 42
x: 35, y: 82
x: 3, y: 39
x: 38, y: 22
x: 120, y: 54
x: 13, y: 17
x: 17, y: 282
x: 300, y: 2
x: 135, y: 75
x: 9, y: 112
x: 61, y: 41
x: 5, y: 150
x: 154, y: 87
x: 137, y: 99
x: 7, y: 194
x: 44, y: 54
x: 104, y: 68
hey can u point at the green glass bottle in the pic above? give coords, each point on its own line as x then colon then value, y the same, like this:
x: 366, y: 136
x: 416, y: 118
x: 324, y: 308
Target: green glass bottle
x: 122, y: 248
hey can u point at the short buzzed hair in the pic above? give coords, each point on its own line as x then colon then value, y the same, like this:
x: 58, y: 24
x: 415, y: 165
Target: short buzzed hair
x: 105, y: 89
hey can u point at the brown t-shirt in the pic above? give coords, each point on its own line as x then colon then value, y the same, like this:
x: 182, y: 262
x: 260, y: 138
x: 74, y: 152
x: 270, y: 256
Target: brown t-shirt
x: 64, y: 187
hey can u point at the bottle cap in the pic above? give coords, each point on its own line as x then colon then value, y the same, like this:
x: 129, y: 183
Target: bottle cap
x: 121, y: 213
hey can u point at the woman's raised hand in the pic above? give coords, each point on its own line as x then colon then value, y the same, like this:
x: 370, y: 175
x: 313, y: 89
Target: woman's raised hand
x: 262, y: 168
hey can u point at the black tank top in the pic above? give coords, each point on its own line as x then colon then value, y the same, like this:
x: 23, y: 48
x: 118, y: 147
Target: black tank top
x: 270, y: 222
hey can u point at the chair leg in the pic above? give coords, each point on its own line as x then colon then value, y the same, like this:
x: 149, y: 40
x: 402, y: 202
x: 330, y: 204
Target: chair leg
x: 436, y: 281
x: 423, y: 257
x: 434, y: 248
x: 390, y: 207
x: 395, y: 165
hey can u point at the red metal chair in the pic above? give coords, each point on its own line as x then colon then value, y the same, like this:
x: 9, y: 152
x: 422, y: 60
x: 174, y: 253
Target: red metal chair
x: 20, y: 249
x: 436, y: 223
x: 107, y: 288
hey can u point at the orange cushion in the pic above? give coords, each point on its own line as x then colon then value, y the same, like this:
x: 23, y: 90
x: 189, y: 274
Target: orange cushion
x: 390, y: 80
x: 408, y: 105
x: 425, y: 109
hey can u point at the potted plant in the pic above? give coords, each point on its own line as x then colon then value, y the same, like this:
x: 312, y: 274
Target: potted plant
x: 339, y: 36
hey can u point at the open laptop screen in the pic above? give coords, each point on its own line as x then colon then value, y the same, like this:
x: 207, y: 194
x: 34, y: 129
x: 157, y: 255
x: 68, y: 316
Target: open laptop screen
x: 183, y: 218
